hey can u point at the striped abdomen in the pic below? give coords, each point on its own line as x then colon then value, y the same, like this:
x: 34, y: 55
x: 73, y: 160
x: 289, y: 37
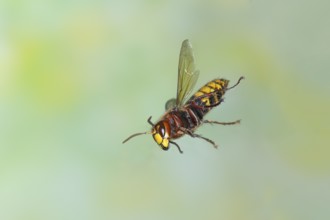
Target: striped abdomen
x: 209, y: 96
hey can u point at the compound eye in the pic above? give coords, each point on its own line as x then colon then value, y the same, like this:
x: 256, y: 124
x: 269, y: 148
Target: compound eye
x: 161, y: 130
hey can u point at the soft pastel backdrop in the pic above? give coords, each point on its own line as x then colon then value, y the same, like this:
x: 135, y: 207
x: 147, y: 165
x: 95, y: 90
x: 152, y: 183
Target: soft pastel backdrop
x: 78, y: 77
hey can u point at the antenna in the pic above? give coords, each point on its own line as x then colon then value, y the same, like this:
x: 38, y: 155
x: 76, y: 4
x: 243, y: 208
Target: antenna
x: 134, y: 135
x: 140, y: 133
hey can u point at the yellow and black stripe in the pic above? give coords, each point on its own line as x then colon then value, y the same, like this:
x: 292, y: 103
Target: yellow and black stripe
x: 211, y: 93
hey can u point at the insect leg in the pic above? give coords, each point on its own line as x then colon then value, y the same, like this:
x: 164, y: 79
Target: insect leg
x: 222, y: 123
x: 172, y: 142
x: 239, y: 80
x: 191, y: 134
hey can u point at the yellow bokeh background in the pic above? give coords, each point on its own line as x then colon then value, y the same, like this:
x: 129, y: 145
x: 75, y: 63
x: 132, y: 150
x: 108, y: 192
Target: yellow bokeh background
x: 78, y: 77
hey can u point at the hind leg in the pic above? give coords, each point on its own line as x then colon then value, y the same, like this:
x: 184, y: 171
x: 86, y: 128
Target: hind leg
x: 222, y: 123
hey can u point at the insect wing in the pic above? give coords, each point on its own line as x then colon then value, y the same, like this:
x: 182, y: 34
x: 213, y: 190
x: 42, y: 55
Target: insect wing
x: 187, y: 74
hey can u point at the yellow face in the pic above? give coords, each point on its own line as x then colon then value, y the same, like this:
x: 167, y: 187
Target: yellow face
x: 161, y: 135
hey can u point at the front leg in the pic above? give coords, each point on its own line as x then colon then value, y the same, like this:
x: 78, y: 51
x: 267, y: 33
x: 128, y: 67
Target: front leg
x: 172, y: 142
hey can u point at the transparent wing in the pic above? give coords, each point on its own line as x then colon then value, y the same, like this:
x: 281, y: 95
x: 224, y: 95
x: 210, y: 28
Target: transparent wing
x: 187, y: 74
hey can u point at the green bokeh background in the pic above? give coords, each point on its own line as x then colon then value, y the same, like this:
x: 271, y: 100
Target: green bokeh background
x: 78, y: 77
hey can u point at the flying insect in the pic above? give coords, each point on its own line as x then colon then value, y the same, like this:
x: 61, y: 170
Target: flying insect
x: 183, y: 116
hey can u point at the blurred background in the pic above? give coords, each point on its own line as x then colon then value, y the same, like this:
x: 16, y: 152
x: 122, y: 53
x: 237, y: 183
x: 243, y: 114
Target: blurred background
x: 78, y: 77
